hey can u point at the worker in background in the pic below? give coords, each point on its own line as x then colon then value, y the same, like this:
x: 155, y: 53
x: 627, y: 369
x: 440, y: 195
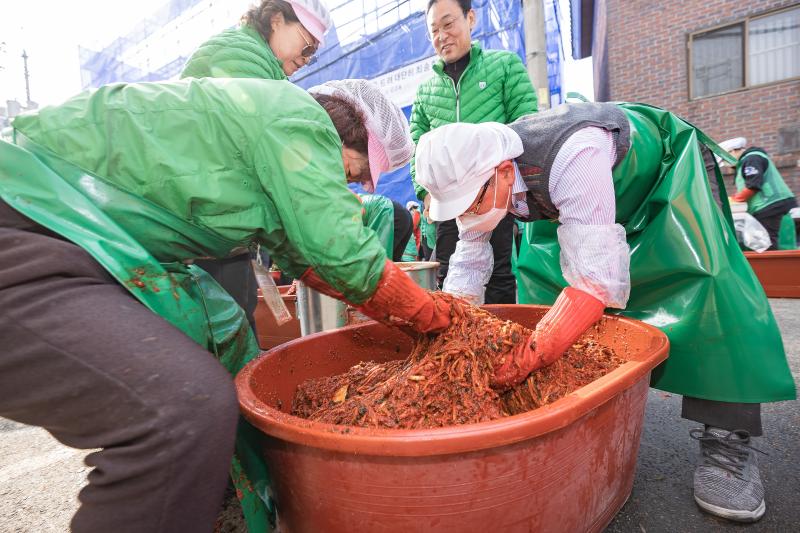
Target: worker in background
x: 472, y: 85
x: 112, y: 340
x: 637, y: 231
x: 275, y: 39
x: 761, y: 186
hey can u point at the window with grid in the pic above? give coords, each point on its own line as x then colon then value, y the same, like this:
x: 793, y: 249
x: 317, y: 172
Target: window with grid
x: 758, y: 50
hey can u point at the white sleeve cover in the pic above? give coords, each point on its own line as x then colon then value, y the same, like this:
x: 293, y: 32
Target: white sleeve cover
x: 469, y: 269
x: 596, y: 260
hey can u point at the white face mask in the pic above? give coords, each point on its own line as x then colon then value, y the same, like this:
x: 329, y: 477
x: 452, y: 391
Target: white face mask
x: 487, y: 221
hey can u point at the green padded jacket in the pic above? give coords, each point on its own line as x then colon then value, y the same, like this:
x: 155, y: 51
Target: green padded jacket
x: 234, y: 53
x: 493, y: 88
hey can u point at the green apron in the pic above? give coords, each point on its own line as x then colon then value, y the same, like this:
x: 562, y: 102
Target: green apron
x: 410, y: 252
x: 428, y: 232
x: 688, y: 276
x: 66, y: 200
x: 773, y: 189
x: 787, y: 234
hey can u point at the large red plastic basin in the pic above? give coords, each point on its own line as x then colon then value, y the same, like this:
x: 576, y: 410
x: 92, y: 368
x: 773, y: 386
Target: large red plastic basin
x: 565, y: 467
x: 778, y: 271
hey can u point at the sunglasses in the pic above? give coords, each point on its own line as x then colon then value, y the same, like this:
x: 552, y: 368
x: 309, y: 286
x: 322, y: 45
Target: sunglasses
x: 309, y: 49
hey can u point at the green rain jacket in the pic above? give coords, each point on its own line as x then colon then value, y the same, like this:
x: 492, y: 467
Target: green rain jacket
x: 234, y: 53
x: 146, y: 177
x: 688, y: 276
x: 378, y: 215
x: 494, y: 87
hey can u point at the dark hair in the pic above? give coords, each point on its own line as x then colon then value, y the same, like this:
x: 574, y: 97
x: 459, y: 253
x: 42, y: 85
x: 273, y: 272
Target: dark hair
x: 260, y: 17
x: 465, y: 5
x: 348, y: 120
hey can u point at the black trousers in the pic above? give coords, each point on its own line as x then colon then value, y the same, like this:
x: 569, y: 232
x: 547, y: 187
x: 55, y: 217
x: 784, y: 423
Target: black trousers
x: 771, y: 220
x: 403, y: 229
x: 502, y: 286
x: 82, y: 358
x: 236, y: 276
x: 724, y: 415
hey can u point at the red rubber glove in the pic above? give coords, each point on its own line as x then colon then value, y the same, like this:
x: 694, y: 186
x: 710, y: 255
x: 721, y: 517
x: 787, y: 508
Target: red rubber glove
x: 397, y: 301
x: 572, y: 314
x: 743, y: 195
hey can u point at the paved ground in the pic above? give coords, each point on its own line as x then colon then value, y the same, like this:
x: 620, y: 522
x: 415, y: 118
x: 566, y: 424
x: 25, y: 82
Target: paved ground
x: 662, y: 492
x: 39, y: 478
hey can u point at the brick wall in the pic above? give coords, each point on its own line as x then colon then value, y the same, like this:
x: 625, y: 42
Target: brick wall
x: 648, y: 62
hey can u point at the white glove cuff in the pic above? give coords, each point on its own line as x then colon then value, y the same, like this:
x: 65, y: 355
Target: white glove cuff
x: 596, y: 260
x: 469, y: 270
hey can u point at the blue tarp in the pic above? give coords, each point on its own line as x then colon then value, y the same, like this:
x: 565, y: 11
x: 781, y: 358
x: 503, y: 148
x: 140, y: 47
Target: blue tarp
x: 498, y: 26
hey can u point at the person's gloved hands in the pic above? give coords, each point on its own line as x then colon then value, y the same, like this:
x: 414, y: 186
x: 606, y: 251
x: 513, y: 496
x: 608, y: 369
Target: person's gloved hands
x: 397, y: 301
x: 572, y: 313
x: 742, y: 196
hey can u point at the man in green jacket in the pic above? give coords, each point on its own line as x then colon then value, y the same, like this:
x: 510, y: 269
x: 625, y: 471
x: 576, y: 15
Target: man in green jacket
x: 112, y: 339
x: 470, y: 85
x: 620, y: 215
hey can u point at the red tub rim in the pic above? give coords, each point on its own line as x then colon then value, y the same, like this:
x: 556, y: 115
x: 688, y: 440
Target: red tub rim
x: 455, y: 439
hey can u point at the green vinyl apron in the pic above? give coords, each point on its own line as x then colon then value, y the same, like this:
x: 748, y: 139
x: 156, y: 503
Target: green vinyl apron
x: 688, y: 276
x: 69, y: 200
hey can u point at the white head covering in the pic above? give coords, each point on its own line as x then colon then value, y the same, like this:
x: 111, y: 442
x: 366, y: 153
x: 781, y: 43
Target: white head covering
x: 454, y: 161
x: 737, y: 143
x: 410, y: 204
x: 389, y: 143
x: 314, y: 17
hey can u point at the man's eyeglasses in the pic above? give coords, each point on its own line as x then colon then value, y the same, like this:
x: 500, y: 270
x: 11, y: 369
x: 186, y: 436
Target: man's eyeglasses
x: 447, y: 28
x: 309, y: 49
x: 474, y: 211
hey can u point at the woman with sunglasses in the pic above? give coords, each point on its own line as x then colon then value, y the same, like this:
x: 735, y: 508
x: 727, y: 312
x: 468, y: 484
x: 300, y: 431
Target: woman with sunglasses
x: 622, y: 217
x: 275, y: 39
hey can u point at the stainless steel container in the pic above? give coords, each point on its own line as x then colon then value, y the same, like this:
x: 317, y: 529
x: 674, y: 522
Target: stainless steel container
x: 318, y: 312
x: 422, y: 272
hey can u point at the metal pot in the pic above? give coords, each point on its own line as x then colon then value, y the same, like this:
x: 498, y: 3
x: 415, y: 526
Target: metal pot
x: 318, y: 312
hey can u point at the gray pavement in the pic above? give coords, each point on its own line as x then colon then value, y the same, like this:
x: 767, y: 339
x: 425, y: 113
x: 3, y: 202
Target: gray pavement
x: 40, y: 478
x: 662, y: 498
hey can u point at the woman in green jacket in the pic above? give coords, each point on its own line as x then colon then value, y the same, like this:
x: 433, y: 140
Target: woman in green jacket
x: 110, y: 334
x: 470, y: 85
x: 274, y: 40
